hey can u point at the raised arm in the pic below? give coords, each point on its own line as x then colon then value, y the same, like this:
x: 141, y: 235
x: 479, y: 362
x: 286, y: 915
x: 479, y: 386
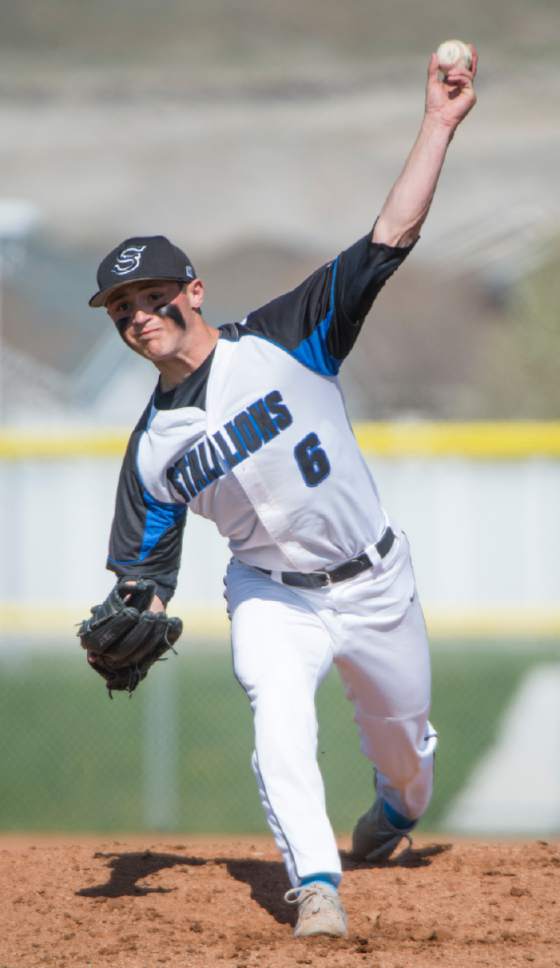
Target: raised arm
x: 448, y: 101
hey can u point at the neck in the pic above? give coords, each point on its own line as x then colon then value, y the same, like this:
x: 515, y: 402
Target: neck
x: 191, y: 355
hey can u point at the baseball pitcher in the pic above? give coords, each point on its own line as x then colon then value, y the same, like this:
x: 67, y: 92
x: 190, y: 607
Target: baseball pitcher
x: 248, y: 427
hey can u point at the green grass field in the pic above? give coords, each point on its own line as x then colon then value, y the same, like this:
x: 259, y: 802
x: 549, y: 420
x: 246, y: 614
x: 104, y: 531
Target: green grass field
x: 73, y: 760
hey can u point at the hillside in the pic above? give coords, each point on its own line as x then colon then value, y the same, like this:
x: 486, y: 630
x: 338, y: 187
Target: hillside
x: 202, y: 40
x: 240, y: 126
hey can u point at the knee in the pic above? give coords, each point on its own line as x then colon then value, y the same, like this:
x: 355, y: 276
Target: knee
x: 400, y: 749
x: 401, y: 766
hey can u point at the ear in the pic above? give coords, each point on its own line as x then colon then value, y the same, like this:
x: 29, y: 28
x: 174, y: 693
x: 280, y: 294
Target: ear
x: 195, y: 293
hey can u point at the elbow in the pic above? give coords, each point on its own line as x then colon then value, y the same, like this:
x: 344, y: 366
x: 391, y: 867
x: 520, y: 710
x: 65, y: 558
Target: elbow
x: 397, y: 236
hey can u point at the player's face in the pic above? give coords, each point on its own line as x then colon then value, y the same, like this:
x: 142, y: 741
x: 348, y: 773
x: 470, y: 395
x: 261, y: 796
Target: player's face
x: 135, y: 311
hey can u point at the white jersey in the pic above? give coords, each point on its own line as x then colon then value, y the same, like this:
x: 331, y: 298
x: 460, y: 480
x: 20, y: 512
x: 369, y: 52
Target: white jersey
x: 257, y: 439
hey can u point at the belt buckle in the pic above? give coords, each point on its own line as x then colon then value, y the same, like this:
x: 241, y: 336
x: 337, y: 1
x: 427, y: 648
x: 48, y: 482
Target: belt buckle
x: 328, y: 578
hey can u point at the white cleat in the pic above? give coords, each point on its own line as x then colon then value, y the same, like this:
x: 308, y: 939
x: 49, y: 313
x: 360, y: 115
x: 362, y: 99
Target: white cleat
x: 374, y: 837
x: 320, y: 911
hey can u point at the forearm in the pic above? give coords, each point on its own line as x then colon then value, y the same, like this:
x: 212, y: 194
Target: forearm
x: 410, y: 198
x: 146, y: 534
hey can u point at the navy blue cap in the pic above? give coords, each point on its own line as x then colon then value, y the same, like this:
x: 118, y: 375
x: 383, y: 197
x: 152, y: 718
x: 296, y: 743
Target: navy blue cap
x: 139, y: 258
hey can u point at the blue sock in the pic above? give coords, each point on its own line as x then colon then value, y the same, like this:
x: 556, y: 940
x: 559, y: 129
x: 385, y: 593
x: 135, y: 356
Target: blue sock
x: 323, y: 877
x: 397, y: 819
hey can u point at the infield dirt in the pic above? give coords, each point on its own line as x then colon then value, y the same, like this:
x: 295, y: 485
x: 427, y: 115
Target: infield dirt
x: 197, y: 903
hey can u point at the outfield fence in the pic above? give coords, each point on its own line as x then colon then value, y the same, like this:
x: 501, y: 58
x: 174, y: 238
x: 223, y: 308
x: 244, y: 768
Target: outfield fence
x: 478, y: 501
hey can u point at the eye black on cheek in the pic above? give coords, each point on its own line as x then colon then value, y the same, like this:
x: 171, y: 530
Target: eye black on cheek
x: 174, y: 313
x: 122, y: 324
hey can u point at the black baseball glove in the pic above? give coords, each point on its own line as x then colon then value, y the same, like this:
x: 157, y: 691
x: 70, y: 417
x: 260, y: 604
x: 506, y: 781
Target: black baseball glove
x: 123, y: 638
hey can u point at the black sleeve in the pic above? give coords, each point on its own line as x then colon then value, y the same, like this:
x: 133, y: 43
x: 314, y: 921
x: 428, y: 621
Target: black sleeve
x: 146, y: 535
x: 361, y: 272
x: 319, y: 321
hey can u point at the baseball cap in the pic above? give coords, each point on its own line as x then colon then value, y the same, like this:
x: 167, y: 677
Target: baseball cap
x: 138, y: 258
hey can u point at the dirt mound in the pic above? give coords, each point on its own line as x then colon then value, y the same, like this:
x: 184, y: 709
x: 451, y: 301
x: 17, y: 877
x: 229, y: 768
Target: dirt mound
x: 197, y: 903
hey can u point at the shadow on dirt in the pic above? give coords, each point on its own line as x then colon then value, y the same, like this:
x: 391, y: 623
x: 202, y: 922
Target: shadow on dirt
x: 266, y: 879
x: 128, y: 868
x: 268, y: 882
x: 409, y: 857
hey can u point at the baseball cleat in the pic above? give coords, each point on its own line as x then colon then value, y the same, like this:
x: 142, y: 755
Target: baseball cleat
x: 320, y: 911
x: 374, y: 837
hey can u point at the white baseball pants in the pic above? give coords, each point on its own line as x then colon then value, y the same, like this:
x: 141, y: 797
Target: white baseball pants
x: 284, y: 640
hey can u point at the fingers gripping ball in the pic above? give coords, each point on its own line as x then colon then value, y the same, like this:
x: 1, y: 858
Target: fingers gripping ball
x: 123, y: 638
x: 453, y: 53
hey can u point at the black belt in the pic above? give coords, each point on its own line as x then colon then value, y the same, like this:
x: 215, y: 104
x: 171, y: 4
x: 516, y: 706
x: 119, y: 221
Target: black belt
x: 318, y: 579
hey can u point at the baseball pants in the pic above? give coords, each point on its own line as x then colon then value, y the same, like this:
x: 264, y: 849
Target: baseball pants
x: 284, y: 641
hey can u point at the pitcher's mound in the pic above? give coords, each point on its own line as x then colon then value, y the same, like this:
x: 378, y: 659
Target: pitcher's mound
x: 199, y: 903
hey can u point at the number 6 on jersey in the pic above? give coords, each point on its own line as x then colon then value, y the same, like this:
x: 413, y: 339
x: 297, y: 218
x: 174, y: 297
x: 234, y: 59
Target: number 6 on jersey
x: 312, y: 460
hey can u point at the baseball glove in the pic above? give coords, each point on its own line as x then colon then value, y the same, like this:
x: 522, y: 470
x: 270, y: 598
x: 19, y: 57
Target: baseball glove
x: 123, y: 638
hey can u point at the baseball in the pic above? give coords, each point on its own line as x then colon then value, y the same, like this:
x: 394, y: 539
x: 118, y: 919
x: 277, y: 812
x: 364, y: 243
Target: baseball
x: 452, y: 51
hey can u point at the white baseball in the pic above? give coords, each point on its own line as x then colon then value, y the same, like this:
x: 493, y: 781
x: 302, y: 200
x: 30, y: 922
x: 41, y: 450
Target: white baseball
x: 452, y: 51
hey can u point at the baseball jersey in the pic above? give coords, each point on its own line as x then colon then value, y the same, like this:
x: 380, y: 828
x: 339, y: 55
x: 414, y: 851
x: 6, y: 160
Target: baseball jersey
x: 257, y: 439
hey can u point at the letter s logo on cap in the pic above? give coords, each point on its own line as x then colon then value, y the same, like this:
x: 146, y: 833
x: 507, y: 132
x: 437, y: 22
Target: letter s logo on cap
x: 128, y: 260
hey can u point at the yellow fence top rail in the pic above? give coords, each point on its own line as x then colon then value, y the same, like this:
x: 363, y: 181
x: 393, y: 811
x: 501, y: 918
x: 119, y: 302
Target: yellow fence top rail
x: 482, y: 439
x: 41, y: 621
x: 60, y: 445
x: 492, y: 440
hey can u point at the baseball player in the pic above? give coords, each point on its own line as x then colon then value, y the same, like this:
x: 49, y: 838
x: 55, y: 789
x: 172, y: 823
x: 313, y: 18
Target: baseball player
x: 247, y: 426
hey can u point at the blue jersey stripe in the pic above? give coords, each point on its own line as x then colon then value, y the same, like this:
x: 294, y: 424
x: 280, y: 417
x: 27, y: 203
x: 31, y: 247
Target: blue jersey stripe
x: 313, y: 351
x: 160, y: 518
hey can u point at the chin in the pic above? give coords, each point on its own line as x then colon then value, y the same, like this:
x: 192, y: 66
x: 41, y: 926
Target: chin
x: 155, y: 352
